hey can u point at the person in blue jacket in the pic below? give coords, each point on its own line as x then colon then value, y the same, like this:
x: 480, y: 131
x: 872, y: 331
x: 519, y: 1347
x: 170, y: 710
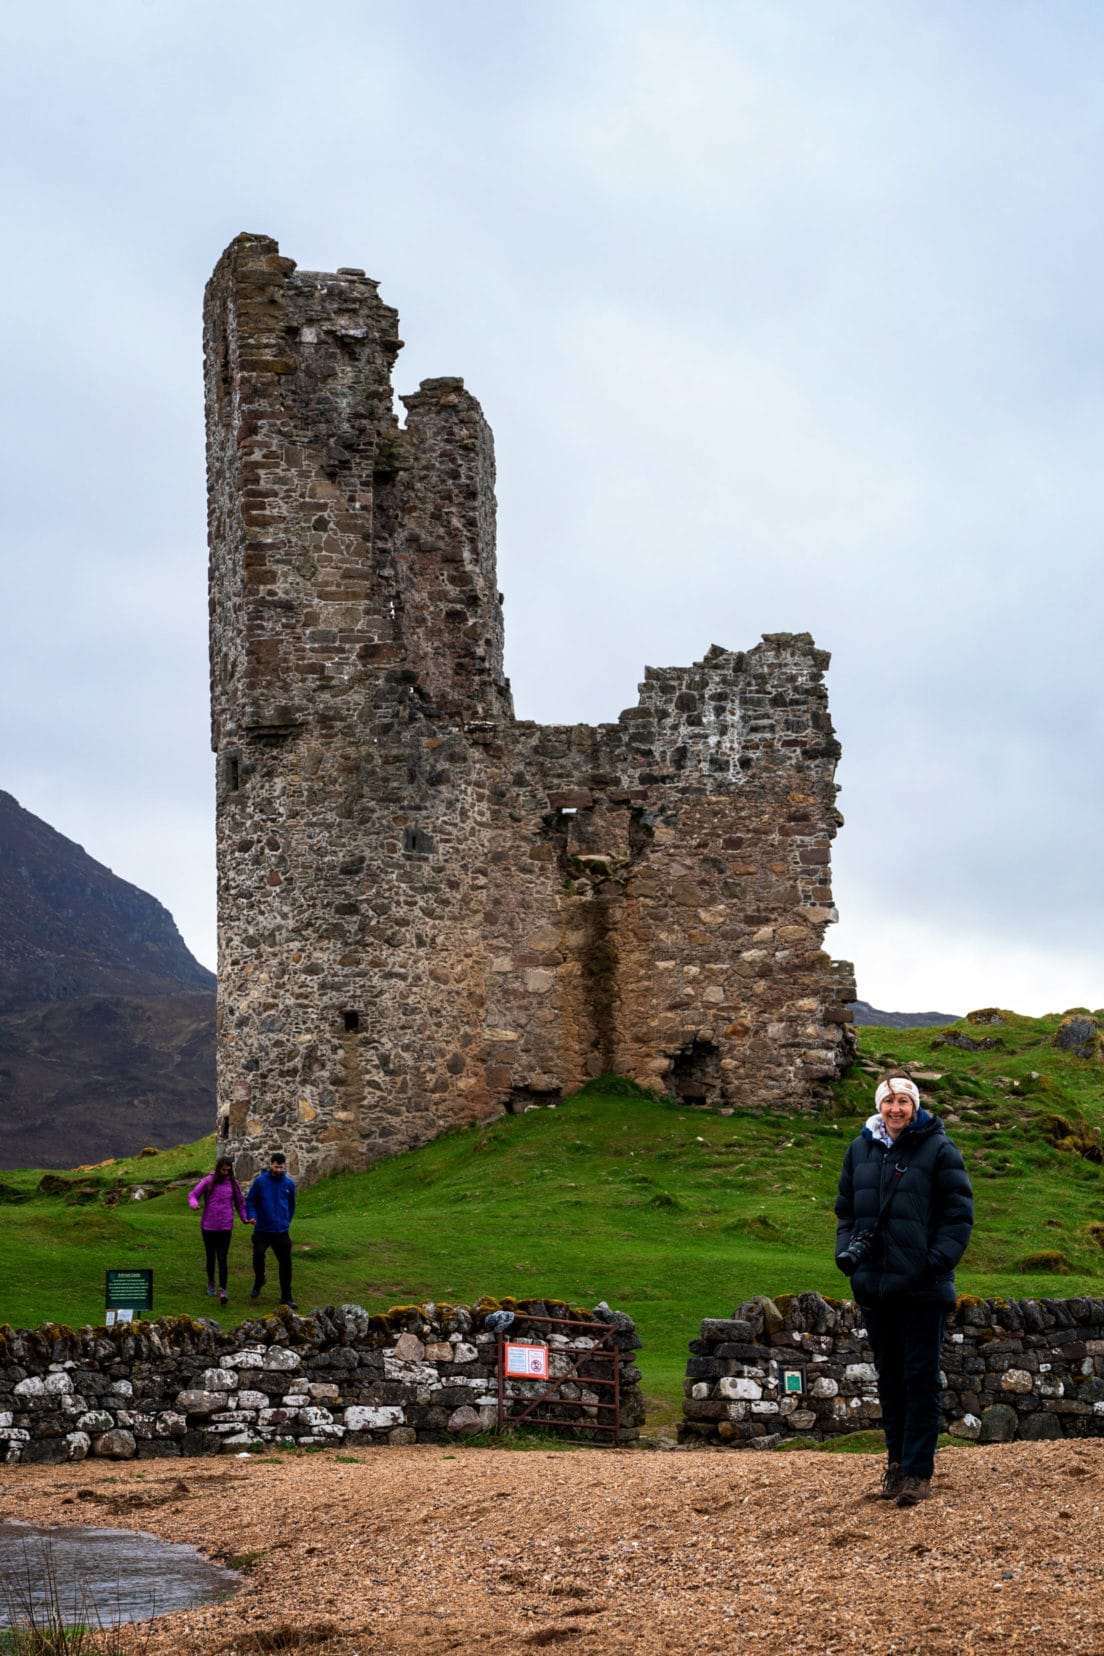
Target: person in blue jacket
x: 271, y: 1204
x: 905, y: 1211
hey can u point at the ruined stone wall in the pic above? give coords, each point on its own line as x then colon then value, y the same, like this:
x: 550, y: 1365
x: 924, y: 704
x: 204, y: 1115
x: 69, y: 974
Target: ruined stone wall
x: 411, y: 1375
x: 1011, y: 1369
x: 429, y: 911
x: 660, y: 888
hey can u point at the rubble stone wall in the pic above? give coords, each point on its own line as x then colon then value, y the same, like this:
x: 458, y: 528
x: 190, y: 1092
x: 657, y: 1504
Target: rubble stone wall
x: 430, y: 912
x: 1011, y: 1369
x: 178, y: 1387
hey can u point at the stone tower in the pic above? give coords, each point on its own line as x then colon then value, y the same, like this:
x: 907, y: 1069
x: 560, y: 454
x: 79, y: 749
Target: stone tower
x: 428, y: 911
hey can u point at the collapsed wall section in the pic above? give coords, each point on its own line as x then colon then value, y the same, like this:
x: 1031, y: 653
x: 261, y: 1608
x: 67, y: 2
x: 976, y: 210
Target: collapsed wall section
x: 659, y: 891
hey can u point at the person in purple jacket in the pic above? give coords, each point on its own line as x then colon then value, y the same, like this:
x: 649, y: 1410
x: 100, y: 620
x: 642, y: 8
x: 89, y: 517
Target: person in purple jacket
x: 218, y: 1194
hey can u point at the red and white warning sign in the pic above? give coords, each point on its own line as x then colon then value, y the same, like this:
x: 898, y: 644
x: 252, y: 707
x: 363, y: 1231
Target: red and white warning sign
x: 528, y: 1362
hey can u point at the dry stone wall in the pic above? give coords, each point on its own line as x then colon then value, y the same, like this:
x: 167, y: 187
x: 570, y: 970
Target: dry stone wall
x: 429, y: 911
x: 178, y: 1387
x: 1011, y: 1369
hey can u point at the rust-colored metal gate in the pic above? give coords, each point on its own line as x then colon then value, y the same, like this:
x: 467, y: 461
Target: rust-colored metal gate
x: 603, y: 1416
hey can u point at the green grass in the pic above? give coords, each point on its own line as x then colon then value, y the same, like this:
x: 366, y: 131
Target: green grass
x: 669, y: 1213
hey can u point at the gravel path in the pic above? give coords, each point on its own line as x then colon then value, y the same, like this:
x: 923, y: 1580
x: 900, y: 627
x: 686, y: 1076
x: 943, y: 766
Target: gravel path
x: 449, y: 1549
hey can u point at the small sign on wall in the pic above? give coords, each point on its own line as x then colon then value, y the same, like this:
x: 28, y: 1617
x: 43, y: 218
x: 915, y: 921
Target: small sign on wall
x: 793, y: 1381
x: 526, y: 1362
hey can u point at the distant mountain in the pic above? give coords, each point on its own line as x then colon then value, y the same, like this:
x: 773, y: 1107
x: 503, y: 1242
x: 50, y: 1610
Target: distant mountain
x: 69, y: 926
x: 867, y: 1014
x: 107, y: 1022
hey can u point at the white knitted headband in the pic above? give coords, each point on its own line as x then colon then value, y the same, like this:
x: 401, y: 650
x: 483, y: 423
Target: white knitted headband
x: 897, y: 1084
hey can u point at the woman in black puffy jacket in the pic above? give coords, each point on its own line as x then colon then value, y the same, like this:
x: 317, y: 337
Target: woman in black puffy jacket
x: 905, y: 1211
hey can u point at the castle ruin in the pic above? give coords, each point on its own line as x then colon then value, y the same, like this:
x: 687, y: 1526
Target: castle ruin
x: 430, y: 911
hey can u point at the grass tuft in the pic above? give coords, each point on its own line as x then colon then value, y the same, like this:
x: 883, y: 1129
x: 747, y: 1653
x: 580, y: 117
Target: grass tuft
x: 266, y: 1641
x: 1050, y: 1261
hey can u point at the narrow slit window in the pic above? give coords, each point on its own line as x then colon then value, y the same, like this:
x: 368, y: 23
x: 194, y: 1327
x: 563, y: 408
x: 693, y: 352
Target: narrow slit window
x: 351, y: 1021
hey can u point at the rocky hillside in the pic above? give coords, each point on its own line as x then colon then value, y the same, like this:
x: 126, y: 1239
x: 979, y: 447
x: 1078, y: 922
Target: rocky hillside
x: 869, y: 1017
x: 106, y: 1019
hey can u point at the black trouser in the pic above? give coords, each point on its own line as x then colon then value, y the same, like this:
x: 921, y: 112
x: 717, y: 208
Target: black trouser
x: 217, y: 1246
x: 907, y: 1338
x: 280, y: 1243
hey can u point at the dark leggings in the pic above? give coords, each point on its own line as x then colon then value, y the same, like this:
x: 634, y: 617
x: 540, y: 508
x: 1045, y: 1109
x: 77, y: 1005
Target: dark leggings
x: 907, y: 1339
x: 217, y: 1245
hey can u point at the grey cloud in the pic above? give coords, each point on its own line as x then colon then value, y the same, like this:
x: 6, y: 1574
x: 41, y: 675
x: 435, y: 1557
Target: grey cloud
x: 785, y: 318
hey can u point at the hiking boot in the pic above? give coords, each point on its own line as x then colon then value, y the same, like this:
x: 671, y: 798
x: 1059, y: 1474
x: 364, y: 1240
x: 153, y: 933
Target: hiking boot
x: 893, y: 1481
x: 224, y: 1297
x: 913, y: 1491
x: 211, y: 1289
x: 254, y: 1293
x: 292, y: 1305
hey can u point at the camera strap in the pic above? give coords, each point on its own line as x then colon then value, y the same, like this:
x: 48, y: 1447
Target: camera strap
x: 899, y: 1171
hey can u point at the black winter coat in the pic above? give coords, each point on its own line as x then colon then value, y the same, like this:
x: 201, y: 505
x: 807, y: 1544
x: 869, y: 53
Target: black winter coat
x: 925, y: 1232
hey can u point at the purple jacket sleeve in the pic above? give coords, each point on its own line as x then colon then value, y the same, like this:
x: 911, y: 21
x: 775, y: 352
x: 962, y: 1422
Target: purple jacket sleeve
x: 239, y: 1203
x: 200, y: 1192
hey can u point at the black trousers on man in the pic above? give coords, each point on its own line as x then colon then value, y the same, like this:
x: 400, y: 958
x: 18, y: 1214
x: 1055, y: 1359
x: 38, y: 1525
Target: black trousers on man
x: 907, y: 1339
x: 280, y: 1243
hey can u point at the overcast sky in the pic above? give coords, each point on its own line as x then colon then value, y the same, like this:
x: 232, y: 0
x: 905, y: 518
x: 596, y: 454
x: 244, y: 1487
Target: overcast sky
x: 786, y: 316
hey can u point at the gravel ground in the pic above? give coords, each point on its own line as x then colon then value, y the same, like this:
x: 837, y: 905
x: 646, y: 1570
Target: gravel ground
x: 450, y: 1549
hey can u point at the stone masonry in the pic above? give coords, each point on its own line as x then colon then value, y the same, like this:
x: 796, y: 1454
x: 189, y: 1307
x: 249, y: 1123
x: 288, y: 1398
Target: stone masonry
x: 431, y: 911
x: 1011, y: 1369
x: 414, y: 1374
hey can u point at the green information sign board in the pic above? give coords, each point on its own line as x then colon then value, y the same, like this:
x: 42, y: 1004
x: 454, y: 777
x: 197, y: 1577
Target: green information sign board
x: 129, y: 1290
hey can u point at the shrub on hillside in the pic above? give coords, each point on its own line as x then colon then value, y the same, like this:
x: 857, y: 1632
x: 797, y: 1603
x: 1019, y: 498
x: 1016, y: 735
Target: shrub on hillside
x: 1050, y: 1262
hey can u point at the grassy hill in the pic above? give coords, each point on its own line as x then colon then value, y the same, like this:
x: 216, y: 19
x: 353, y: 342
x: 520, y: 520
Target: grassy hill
x: 668, y: 1212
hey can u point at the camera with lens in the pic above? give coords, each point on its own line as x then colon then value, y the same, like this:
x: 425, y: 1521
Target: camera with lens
x: 855, y: 1252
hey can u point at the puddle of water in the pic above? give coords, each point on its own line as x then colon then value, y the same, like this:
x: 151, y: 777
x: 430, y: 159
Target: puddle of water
x: 102, y: 1576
